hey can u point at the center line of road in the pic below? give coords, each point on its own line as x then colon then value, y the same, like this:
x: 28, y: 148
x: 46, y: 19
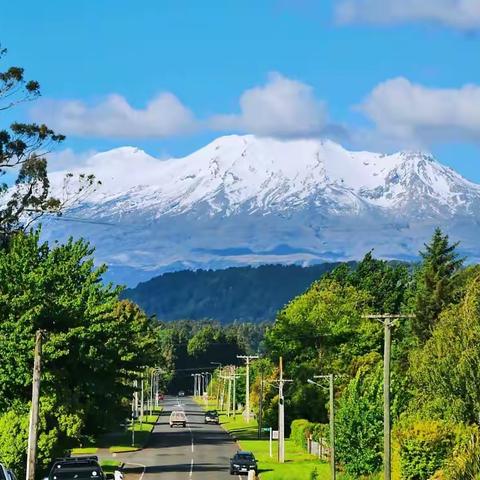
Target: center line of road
x: 191, y: 469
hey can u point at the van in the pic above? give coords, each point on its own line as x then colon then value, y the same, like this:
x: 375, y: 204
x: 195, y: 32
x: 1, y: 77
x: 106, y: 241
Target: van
x: 178, y: 417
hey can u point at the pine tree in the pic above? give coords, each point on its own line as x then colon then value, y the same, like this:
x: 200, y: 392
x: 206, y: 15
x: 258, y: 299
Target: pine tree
x: 436, y: 282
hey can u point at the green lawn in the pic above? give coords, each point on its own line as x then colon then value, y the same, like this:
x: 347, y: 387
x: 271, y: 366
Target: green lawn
x: 298, y: 464
x: 121, y: 440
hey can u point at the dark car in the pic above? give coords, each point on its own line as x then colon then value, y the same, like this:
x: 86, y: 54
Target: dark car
x: 78, y: 468
x: 212, y: 417
x: 243, y: 462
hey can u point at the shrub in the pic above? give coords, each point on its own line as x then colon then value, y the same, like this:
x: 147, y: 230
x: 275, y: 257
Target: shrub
x: 464, y: 463
x: 359, y: 423
x: 424, y: 447
x: 300, y: 430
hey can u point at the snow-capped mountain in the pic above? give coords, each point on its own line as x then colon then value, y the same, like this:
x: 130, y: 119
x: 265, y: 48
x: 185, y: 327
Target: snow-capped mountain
x: 248, y: 200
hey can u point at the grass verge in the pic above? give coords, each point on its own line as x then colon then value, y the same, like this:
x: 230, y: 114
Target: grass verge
x: 120, y: 441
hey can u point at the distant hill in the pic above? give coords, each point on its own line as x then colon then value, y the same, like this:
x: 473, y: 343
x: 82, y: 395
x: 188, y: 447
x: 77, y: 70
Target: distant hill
x: 246, y: 294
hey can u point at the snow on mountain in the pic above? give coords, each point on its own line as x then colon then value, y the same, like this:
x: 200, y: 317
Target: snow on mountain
x: 247, y: 200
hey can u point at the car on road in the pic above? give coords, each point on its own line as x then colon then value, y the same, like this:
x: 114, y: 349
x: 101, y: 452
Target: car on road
x: 243, y: 462
x: 78, y: 468
x: 212, y: 417
x: 181, y: 393
x: 178, y: 417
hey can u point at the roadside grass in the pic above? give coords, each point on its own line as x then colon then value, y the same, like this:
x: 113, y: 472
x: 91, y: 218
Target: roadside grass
x: 120, y: 441
x: 298, y: 465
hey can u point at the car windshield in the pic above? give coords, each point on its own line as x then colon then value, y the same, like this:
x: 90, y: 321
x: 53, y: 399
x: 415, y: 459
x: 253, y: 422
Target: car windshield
x: 244, y: 456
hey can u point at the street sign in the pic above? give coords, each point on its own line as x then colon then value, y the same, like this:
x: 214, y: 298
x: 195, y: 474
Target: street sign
x: 275, y: 434
x: 266, y: 429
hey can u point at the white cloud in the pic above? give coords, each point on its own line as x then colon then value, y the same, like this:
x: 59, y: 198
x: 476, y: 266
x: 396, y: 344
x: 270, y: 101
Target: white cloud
x: 282, y: 107
x: 114, y: 117
x: 459, y: 14
x: 412, y: 113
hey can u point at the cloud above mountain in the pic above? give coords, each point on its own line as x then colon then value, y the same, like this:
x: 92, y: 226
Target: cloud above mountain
x: 403, y: 114
x: 458, y: 14
x: 411, y: 113
x: 281, y: 108
x: 114, y: 117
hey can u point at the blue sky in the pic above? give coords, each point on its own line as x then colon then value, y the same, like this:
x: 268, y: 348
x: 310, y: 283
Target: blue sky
x: 383, y: 81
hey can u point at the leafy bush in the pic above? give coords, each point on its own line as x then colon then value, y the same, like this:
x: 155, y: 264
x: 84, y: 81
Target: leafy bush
x: 300, y: 430
x: 424, y: 447
x: 359, y: 423
x: 464, y: 463
x: 320, y: 430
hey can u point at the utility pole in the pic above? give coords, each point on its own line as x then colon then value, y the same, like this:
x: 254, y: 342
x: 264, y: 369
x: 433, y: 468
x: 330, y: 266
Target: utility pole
x: 247, y: 359
x: 229, y: 397
x: 151, y: 392
x: 260, y: 413
x: 142, y: 400
x: 234, y: 404
x: 281, y: 415
x: 33, y: 427
x: 388, y: 321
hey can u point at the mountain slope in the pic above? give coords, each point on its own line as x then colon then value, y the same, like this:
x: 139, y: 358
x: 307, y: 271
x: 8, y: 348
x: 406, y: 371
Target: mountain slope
x: 245, y: 294
x: 243, y: 200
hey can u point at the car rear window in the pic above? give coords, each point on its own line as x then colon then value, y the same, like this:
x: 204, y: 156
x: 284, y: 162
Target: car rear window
x: 2, y: 475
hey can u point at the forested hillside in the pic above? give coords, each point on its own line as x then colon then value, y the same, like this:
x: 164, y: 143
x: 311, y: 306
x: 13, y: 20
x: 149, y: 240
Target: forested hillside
x: 246, y: 294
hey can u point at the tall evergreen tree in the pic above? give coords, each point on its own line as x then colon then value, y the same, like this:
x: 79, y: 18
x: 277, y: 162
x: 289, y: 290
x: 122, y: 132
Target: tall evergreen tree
x: 436, y: 282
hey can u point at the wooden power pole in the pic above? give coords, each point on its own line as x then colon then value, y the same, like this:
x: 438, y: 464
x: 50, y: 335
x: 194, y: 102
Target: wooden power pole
x: 388, y: 320
x: 281, y: 414
x: 34, y: 411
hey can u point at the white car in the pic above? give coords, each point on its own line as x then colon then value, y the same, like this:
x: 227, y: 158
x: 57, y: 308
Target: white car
x: 178, y: 417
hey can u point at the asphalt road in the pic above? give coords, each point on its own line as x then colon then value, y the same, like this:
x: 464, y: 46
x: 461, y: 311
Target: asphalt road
x: 198, y: 452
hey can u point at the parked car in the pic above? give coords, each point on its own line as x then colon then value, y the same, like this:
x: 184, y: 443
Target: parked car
x: 212, y: 417
x: 78, y: 468
x: 243, y: 462
x: 181, y: 393
x: 178, y: 417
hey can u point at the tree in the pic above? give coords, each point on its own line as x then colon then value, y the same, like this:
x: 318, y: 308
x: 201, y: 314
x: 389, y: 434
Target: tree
x: 94, y: 344
x: 446, y: 369
x: 23, y: 150
x: 436, y: 282
x: 359, y: 423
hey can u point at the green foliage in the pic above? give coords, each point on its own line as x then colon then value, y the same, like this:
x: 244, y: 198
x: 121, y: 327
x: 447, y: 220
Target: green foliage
x: 93, y: 343
x: 14, y: 438
x: 424, y: 447
x: 299, y: 432
x: 464, y: 463
x: 446, y: 370
x: 359, y: 423
x: 436, y: 282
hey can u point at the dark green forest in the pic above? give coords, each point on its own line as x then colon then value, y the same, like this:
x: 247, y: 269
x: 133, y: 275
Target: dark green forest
x: 245, y: 294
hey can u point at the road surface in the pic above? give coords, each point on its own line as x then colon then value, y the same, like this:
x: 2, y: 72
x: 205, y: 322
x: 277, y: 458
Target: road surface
x: 198, y: 452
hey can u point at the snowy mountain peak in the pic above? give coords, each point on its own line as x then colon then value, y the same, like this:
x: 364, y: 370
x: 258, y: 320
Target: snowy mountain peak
x: 245, y: 199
